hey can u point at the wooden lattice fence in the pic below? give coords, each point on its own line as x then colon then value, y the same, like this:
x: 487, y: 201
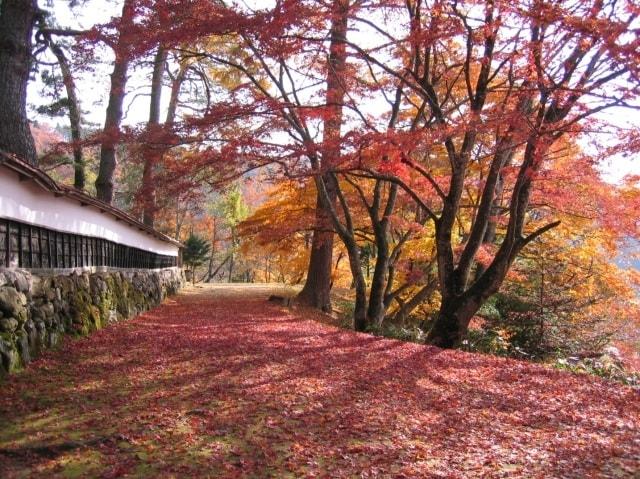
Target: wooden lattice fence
x: 26, y: 246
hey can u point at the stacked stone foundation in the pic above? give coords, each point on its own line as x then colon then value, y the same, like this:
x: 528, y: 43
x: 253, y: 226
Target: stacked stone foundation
x: 37, y: 308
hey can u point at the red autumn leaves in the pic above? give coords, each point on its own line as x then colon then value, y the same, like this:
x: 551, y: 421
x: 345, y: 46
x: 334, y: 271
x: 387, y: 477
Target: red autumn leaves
x: 227, y: 385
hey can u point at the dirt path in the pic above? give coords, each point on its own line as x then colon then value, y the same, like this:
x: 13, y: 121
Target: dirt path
x: 218, y: 382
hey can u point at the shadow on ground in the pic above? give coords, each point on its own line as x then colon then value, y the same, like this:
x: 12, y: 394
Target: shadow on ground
x: 218, y: 382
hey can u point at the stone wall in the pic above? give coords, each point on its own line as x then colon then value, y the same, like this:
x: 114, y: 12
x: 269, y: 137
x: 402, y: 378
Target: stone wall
x: 38, y: 307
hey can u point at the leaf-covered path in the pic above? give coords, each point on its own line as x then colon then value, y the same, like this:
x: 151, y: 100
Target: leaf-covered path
x: 218, y: 382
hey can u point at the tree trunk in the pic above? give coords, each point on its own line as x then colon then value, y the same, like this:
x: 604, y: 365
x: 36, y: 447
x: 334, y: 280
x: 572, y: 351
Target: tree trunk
x: 268, y: 270
x: 211, y: 275
x: 212, y: 252
x: 360, y: 322
x: 380, y: 283
x: 176, y: 85
x: 452, y: 322
x: 153, y: 155
x: 209, y: 269
x: 492, y: 221
x: 377, y: 308
x: 104, y: 182
x: 180, y: 216
x: 317, y: 288
x: 74, y: 116
x: 152, y: 152
x: 17, y: 18
x: 232, y: 257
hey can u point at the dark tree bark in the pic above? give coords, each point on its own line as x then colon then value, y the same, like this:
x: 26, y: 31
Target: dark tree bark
x: 17, y: 19
x: 231, y: 265
x: 232, y: 256
x: 452, y: 321
x: 379, y: 283
x: 74, y: 115
x: 176, y: 84
x: 212, y: 251
x: 461, y: 296
x: 460, y: 300
x: 104, y: 182
x: 151, y: 152
x: 211, y: 275
x: 367, y: 311
x: 360, y: 322
x: 317, y: 288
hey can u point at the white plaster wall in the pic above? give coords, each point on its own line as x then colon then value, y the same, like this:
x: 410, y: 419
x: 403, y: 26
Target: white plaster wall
x: 27, y: 202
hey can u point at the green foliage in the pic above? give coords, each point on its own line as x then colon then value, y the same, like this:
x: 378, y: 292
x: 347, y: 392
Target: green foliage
x: 53, y: 89
x: 196, y: 251
x: 490, y: 310
x: 55, y: 109
x: 346, y: 309
x: 488, y: 341
x: 227, y: 206
x: 604, y: 367
x: 413, y: 334
x: 234, y: 208
x: 515, y: 325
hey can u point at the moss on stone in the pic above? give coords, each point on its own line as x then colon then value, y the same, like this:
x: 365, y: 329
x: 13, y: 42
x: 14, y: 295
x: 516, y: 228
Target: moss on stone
x: 74, y: 304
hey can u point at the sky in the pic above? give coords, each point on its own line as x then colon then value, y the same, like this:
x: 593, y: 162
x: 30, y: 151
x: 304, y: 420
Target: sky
x: 93, y: 86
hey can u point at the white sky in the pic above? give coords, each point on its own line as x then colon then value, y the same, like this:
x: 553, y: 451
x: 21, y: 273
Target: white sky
x: 93, y: 86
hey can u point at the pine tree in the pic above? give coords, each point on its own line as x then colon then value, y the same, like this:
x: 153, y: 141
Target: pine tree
x: 196, y: 252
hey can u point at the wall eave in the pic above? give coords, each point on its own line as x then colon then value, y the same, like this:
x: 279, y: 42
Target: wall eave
x: 27, y: 172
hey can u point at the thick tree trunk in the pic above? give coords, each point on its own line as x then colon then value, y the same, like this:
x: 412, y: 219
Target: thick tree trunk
x: 75, y: 118
x: 460, y: 301
x: 104, y: 182
x: 360, y: 322
x: 151, y: 152
x: 457, y: 307
x: 360, y: 308
x: 17, y: 18
x: 317, y: 288
x: 215, y: 272
x: 452, y: 322
x: 377, y: 307
x: 316, y: 291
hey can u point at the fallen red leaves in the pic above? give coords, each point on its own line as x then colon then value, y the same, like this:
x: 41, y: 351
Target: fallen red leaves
x: 214, y: 386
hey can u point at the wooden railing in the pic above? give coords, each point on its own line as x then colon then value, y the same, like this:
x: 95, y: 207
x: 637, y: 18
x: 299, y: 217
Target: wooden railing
x: 26, y: 246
